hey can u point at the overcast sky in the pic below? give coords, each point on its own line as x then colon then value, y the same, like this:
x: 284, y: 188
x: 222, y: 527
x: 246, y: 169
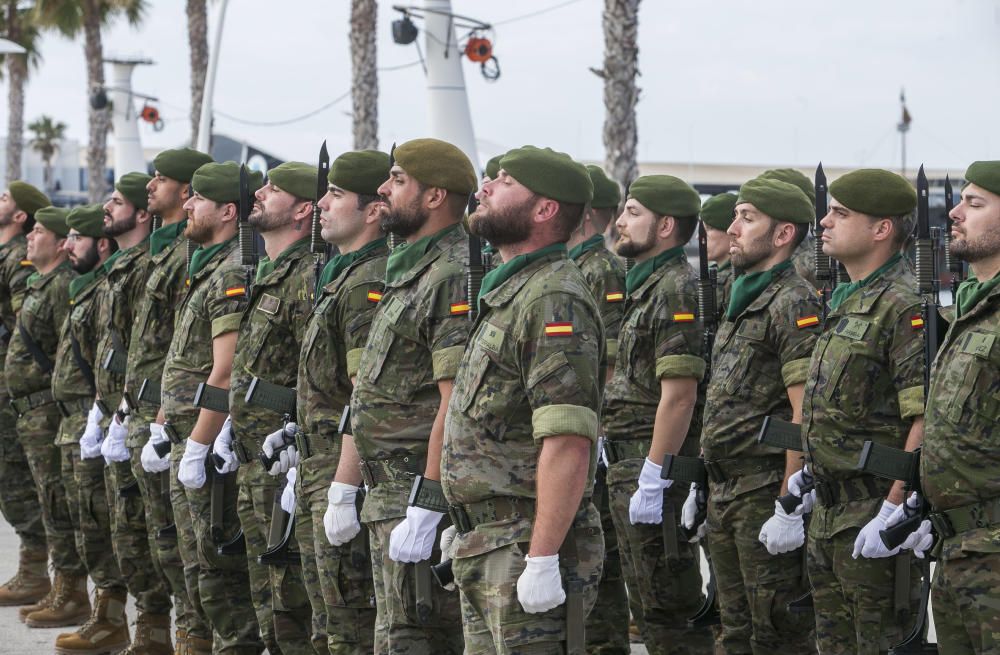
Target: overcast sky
x: 723, y: 81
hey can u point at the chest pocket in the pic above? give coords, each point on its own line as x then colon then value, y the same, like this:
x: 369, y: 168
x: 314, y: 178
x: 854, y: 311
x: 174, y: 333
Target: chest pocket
x: 853, y: 363
x: 975, y: 387
x: 155, y: 299
x: 265, y: 327
x: 385, y: 327
x: 740, y: 375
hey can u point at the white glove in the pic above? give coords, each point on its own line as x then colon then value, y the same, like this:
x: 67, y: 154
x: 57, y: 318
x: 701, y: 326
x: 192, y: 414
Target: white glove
x: 689, y: 514
x: 151, y: 462
x: 798, y: 480
x: 646, y: 504
x: 341, y: 518
x: 90, y: 442
x: 113, y: 448
x: 223, y: 447
x: 288, y: 458
x: 191, y: 471
x: 288, y: 493
x: 412, y: 540
x: 920, y: 540
x: 783, y: 532
x: 869, y: 543
x: 539, y: 587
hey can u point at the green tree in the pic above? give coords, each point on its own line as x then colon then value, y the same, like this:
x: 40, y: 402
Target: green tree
x: 17, y: 25
x: 47, y: 134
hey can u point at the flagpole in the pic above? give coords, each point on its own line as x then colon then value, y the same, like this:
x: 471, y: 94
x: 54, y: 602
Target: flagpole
x: 903, y: 126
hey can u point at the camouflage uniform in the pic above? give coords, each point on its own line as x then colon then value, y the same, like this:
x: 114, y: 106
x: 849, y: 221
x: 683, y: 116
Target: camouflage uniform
x: 961, y: 455
x: 492, y: 445
x: 45, y: 307
x: 804, y: 260
x: 153, y: 288
x: 607, y: 625
x: 338, y: 578
x: 865, y: 382
x: 723, y: 287
x: 18, y: 499
x: 659, y: 338
x: 756, y: 357
x: 211, y: 307
x: 268, y: 347
x: 416, y: 339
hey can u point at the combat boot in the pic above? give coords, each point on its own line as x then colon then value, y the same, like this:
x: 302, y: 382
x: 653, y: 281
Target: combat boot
x: 152, y: 636
x: 31, y: 582
x: 23, y: 612
x: 180, y: 641
x: 198, y: 646
x: 105, y: 633
x: 70, y: 604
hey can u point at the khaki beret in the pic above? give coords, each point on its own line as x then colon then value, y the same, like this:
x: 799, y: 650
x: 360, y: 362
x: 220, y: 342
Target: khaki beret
x: 717, y: 211
x: 876, y: 192
x: 666, y: 195
x: 88, y: 220
x: 28, y: 198
x: 793, y: 176
x: 133, y: 187
x: 54, y: 219
x: 296, y: 178
x: 607, y: 193
x: 781, y: 201
x: 180, y: 163
x: 221, y: 182
x: 437, y: 163
x: 985, y: 174
x: 493, y: 167
x: 360, y: 171
x: 550, y: 174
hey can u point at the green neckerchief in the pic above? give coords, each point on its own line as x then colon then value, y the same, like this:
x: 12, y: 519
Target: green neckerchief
x: 265, y: 266
x: 505, y: 271
x: 406, y: 255
x: 77, y: 284
x: 641, y: 272
x: 31, y: 278
x: 845, y: 289
x: 339, y: 263
x: 971, y: 291
x: 749, y: 286
x: 202, y: 256
x: 163, y: 237
x: 110, y: 261
x: 586, y: 246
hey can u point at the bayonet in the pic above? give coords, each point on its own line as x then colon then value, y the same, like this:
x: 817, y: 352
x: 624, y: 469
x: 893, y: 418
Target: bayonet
x: 476, y: 271
x: 316, y: 244
x: 824, y: 269
x: 248, y: 241
x: 707, y: 302
x: 954, y: 265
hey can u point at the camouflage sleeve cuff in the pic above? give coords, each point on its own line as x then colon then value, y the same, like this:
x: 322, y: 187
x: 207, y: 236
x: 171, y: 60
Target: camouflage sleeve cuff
x: 795, y: 371
x: 612, y: 350
x: 354, y: 361
x: 227, y: 323
x: 680, y: 366
x: 555, y: 420
x: 911, y: 402
x: 445, y: 362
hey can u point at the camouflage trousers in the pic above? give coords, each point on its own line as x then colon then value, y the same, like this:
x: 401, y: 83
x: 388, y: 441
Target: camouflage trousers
x: 492, y: 618
x: 37, y: 430
x: 663, y: 591
x: 399, y: 628
x: 18, y: 498
x: 607, y: 623
x: 278, y: 593
x: 337, y: 578
x: 966, y: 598
x: 853, y: 598
x: 753, y: 586
x: 187, y: 549
x: 222, y: 580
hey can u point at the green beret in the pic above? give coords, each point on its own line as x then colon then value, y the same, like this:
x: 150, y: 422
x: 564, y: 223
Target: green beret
x: 550, y: 174
x: 493, y: 167
x: 27, y: 198
x: 296, y: 178
x: 717, y: 211
x: 360, y: 171
x: 180, y: 163
x: 221, y: 182
x: 53, y: 218
x: 133, y: 187
x: 438, y: 164
x: 666, y: 195
x: 781, y: 201
x: 88, y: 220
x: 985, y: 174
x: 875, y: 192
x: 607, y: 193
x: 793, y: 176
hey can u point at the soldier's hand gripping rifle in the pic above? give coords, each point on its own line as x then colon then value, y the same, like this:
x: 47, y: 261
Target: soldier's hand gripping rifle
x: 316, y: 244
x: 954, y: 266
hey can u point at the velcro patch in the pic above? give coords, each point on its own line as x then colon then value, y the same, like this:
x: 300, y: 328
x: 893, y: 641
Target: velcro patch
x: 616, y: 296
x: 558, y: 329
x: 684, y: 317
x: 236, y: 291
x: 26, y: 262
x: 460, y: 308
x: 807, y: 321
x: 269, y: 304
x: 917, y: 322
x: 374, y: 296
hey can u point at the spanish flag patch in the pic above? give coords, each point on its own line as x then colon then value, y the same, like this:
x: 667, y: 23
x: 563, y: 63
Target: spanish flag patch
x: 26, y: 262
x: 235, y: 291
x: 374, y: 296
x: 807, y: 321
x: 617, y: 296
x: 684, y: 317
x: 460, y: 308
x: 558, y: 329
x: 917, y: 322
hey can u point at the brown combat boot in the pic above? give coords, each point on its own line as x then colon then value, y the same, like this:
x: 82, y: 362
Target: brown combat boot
x: 70, y: 604
x: 198, y: 646
x: 23, y: 612
x: 105, y: 633
x: 152, y: 636
x: 31, y: 582
x: 180, y: 641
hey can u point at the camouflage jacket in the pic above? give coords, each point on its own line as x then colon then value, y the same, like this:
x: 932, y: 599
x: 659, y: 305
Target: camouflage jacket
x: 14, y: 271
x: 961, y: 451
x: 268, y: 345
x: 45, y: 307
x: 417, y: 338
x: 212, y: 306
x: 804, y: 260
x: 331, y: 350
x: 723, y: 288
x: 533, y: 369
x: 605, y: 275
x: 755, y: 359
x: 865, y: 382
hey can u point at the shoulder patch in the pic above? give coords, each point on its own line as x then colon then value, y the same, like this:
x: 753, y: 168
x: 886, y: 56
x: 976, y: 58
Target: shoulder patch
x: 236, y: 291
x: 460, y: 308
x: 616, y: 296
x: 917, y: 322
x: 26, y: 262
x: 374, y: 296
x: 683, y: 317
x: 807, y: 321
x: 558, y: 329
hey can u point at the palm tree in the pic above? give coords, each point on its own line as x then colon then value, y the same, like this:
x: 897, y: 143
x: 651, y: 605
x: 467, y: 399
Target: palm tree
x: 364, y: 77
x: 17, y: 25
x: 70, y: 18
x: 46, y: 139
x: 621, y: 57
x: 197, y: 14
